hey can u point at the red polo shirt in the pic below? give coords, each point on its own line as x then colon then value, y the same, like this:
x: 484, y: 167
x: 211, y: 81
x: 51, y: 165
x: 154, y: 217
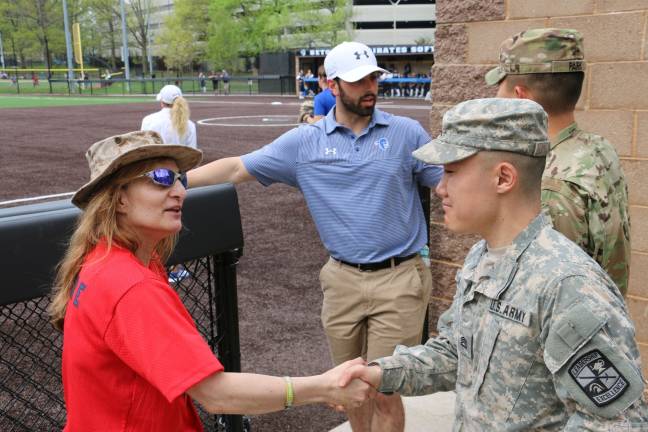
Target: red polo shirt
x: 130, y: 349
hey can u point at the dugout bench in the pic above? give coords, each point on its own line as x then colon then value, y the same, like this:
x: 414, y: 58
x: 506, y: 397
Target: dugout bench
x: 33, y: 240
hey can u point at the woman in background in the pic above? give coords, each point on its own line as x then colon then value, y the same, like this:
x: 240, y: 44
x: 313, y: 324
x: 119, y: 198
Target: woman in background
x: 172, y: 121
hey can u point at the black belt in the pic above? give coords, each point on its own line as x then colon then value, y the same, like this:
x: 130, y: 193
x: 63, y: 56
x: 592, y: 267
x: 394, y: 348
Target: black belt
x: 368, y: 267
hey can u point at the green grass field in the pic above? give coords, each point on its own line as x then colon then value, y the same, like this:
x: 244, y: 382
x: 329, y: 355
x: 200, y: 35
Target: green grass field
x: 63, y: 101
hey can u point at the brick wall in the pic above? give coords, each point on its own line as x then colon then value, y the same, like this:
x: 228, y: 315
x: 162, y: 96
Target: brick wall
x: 614, y: 103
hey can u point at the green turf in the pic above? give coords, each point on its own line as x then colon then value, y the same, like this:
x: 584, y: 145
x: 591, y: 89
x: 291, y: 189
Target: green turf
x: 63, y: 101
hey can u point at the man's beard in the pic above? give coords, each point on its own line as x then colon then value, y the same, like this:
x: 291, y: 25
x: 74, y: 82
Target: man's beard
x: 356, y: 106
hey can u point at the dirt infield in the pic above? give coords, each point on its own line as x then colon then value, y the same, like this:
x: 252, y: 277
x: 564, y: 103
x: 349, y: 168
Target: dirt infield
x: 279, y: 295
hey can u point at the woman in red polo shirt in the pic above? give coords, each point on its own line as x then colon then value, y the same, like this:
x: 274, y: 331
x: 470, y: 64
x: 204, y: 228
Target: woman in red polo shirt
x: 132, y: 356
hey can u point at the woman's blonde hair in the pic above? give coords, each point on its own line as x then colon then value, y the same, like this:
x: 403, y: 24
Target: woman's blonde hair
x: 180, y: 115
x: 99, y: 222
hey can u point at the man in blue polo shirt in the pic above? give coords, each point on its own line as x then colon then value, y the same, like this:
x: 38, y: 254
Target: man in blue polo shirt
x: 356, y: 171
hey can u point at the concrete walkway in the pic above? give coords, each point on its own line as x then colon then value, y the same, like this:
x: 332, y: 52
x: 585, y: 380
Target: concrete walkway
x: 433, y: 413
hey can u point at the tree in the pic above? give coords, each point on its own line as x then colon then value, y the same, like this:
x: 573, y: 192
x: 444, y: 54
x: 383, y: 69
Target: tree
x: 104, y: 14
x: 138, y: 25
x: 327, y: 26
x: 183, y: 39
x: 17, y: 35
x: 44, y: 18
x: 273, y: 25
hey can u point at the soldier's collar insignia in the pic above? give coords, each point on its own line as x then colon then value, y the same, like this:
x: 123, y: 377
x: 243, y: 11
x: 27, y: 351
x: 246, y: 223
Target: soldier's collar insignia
x: 599, y: 379
x: 564, y: 134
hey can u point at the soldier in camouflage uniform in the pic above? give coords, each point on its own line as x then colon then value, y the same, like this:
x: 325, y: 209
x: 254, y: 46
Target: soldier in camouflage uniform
x: 538, y: 335
x: 583, y: 189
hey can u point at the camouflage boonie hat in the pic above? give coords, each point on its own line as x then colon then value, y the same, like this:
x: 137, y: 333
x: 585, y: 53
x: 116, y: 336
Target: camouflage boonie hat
x: 110, y: 154
x: 545, y: 50
x: 512, y: 125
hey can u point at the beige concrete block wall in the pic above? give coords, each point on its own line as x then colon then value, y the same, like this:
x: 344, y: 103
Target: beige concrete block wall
x: 614, y: 103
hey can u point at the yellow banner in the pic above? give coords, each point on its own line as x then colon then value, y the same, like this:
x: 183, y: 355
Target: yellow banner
x: 76, y: 38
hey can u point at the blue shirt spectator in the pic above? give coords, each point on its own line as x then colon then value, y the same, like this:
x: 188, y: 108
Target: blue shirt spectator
x: 323, y: 102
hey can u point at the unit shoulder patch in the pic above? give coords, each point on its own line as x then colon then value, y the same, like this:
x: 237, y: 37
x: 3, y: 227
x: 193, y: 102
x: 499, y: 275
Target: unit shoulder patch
x: 599, y: 379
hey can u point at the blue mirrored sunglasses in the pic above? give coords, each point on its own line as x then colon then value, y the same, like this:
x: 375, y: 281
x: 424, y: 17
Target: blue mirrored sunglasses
x: 166, y: 177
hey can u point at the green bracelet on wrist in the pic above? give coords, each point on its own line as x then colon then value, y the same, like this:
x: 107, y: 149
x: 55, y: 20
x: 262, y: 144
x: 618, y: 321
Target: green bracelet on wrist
x: 290, y: 393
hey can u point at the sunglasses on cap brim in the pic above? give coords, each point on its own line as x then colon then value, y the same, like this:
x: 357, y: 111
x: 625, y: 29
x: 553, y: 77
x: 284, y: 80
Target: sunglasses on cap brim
x: 166, y: 177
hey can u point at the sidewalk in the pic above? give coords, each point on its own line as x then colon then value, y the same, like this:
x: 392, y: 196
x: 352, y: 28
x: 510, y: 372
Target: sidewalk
x: 421, y: 412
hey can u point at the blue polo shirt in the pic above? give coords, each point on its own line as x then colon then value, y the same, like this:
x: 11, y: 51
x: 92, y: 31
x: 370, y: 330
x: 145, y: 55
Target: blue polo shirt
x: 361, y: 190
x: 323, y: 102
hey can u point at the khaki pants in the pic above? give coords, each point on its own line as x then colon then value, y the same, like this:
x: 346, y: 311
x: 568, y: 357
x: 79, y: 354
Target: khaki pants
x: 368, y: 313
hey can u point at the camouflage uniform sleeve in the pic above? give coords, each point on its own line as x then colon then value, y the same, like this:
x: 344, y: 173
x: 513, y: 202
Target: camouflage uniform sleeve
x: 567, y: 209
x: 305, y: 111
x: 423, y: 369
x: 604, y: 239
x: 590, y: 350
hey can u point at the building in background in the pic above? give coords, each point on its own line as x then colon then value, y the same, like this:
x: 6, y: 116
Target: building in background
x: 159, y: 10
x: 400, y: 33
x: 394, y: 22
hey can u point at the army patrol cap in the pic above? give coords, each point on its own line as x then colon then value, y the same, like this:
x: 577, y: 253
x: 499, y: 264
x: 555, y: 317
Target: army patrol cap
x: 495, y: 124
x: 545, y: 50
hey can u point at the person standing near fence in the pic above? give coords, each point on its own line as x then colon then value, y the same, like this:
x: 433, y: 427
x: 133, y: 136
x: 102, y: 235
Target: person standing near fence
x: 324, y: 101
x: 132, y: 356
x: 203, y: 82
x: 538, y: 337
x: 172, y: 121
x: 583, y: 189
x: 226, y: 82
x: 213, y: 76
x: 360, y: 181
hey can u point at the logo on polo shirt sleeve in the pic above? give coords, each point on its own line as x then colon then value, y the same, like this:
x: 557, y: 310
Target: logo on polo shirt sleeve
x: 598, y: 378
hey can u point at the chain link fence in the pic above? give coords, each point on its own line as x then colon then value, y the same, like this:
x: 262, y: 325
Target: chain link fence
x: 33, y: 238
x: 236, y: 85
x: 31, y: 394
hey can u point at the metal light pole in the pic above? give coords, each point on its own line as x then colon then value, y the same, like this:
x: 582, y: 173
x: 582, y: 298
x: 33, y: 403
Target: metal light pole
x: 1, y: 53
x: 149, y: 42
x: 68, y: 42
x: 125, y: 43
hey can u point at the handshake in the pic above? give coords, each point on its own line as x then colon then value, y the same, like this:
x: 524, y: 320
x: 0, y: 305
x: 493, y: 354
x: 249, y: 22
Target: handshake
x: 351, y: 384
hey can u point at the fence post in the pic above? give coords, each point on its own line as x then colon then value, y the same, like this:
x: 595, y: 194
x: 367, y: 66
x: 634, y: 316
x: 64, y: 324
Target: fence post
x: 424, y: 196
x: 229, y: 349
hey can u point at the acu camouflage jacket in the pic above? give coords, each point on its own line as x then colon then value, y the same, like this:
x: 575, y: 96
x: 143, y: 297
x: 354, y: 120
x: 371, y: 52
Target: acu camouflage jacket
x: 541, y: 341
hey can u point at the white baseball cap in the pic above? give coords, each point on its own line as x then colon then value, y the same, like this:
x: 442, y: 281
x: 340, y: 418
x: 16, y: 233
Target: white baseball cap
x: 168, y: 94
x: 350, y: 61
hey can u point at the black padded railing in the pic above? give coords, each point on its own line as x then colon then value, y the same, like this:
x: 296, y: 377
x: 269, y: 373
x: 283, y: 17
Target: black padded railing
x: 32, y: 241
